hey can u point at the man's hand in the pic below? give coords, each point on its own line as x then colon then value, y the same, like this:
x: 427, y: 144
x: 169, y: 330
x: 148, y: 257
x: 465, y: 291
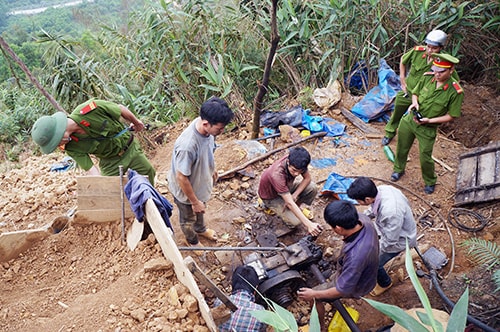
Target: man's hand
x: 306, y: 294
x: 137, y: 126
x: 314, y: 228
x: 198, y: 207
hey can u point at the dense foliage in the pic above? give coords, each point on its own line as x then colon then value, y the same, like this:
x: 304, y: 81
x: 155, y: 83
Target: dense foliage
x: 162, y: 59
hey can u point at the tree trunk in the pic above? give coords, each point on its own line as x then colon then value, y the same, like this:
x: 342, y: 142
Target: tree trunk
x: 6, y: 48
x: 257, y: 104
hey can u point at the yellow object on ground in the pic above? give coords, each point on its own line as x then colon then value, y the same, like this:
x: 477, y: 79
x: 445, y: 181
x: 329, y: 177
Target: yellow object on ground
x: 308, y: 213
x: 337, y: 324
x: 305, y: 133
x: 262, y: 207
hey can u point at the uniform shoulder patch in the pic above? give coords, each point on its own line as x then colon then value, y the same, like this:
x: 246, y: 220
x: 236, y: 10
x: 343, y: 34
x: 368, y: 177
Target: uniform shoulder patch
x: 457, y: 87
x: 419, y: 48
x: 89, y: 107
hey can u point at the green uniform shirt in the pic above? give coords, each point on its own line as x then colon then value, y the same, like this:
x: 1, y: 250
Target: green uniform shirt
x: 435, y: 102
x: 416, y: 59
x: 104, y: 138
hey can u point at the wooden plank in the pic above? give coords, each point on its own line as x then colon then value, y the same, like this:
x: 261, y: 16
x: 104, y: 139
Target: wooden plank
x: 164, y: 237
x: 202, y: 277
x: 478, y: 179
x: 495, y: 146
x: 100, y: 216
x: 467, y: 173
x: 101, y: 202
x: 99, y: 185
x: 14, y: 243
x: 358, y: 122
x: 486, y: 169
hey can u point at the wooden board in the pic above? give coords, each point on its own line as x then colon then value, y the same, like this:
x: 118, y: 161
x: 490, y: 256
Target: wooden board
x: 14, y: 243
x: 99, y: 199
x: 478, y: 178
x: 164, y: 237
x: 364, y: 127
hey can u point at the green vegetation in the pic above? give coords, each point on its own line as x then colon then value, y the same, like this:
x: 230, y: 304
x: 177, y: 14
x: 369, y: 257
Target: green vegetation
x: 282, y: 320
x: 458, y: 316
x: 163, y: 59
x: 485, y: 253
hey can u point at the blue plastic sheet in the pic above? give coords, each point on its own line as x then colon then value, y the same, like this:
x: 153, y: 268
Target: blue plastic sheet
x: 316, y: 124
x: 296, y: 116
x: 337, y: 185
x: 66, y: 164
x: 380, y: 99
x: 323, y: 162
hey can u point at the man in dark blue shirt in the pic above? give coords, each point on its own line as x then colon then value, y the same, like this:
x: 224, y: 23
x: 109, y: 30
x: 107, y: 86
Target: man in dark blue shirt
x: 357, y: 265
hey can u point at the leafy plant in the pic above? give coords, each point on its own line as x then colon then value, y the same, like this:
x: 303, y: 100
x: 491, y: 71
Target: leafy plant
x: 456, y: 322
x: 485, y: 253
x: 283, y: 320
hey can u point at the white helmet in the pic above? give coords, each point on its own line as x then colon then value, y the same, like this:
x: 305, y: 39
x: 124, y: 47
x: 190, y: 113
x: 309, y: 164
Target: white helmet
x: 436, y: 38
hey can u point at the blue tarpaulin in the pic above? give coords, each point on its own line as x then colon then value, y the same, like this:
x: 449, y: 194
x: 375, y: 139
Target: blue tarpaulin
x: 336, y: 184
x: 296, y: 116
x: 380, y: 99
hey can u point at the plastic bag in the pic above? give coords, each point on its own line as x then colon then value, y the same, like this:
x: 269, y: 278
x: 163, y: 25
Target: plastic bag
x: 329, y: 96
x: 292, y: 117
x: 338, y: 324
x: 380, y: 99
x: 316, y: 124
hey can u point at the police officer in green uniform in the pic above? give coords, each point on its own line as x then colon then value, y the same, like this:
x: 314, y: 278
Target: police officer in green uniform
x: 412, y: 67
x: 94, y: 128
x: 436, y: 99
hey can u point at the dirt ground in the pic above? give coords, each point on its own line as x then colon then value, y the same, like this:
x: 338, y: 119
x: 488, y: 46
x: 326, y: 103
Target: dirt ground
x: 84, y: 279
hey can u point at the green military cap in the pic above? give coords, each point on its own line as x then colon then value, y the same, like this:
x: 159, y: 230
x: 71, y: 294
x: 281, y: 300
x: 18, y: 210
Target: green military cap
x: 48, y: 131
x: 443, y: 61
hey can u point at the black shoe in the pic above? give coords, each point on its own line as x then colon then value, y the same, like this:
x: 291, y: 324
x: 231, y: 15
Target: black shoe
x: 386, y: 140
x: 396, y: 176
x: 429, y: 189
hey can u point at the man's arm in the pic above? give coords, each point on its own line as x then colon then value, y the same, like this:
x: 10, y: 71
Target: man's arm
x: 183, y: 181
x: 402, y: 74
x: 312, y: 227
x: 129, y: 116
x: 440, y: 119
x: 306, y: 179
x: 310, y: 294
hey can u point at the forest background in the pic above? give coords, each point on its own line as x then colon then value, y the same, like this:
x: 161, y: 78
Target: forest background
x: 163, y: 59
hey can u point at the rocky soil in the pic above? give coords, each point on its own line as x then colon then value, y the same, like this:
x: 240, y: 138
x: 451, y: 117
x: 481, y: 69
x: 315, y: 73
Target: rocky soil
x: 84, y: 279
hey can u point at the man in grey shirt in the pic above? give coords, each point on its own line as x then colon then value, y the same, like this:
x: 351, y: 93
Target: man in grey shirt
x: 393, y: 219
x: 192, y: 174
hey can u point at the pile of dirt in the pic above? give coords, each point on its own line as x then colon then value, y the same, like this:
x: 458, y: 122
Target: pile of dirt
x: 84, y: 279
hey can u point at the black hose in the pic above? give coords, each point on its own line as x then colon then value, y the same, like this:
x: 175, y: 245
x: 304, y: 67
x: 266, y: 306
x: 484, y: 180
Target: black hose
x: 447, y: 301
x: 455, y: 213
x: 470, y: 319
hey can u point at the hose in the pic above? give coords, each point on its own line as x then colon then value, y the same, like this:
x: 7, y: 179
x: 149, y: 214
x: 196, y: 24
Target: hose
x: 455, y: 213
x: 446, y: 300
x: 470, y: 319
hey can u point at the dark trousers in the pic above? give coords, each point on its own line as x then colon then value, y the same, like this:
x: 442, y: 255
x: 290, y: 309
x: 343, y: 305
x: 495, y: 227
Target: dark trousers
x: 383, y: 278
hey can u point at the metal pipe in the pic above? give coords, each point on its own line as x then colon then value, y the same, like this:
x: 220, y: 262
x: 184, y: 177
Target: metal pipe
x: 232, y: 248
x: 122, y: 199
